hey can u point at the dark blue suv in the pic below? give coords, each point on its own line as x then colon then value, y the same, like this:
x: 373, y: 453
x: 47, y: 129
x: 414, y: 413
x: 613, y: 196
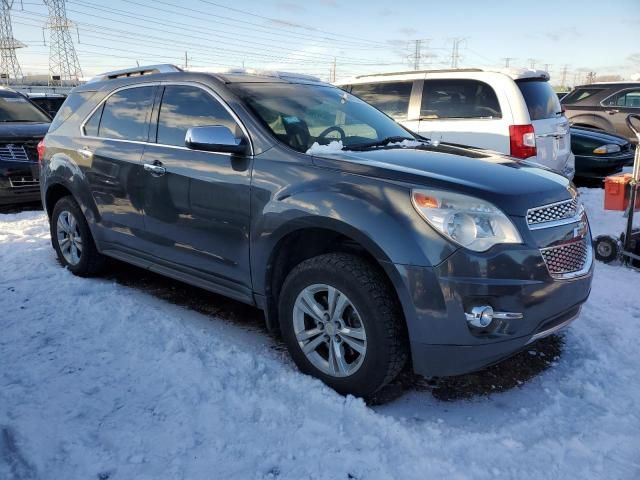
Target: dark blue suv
x: 365, y: 246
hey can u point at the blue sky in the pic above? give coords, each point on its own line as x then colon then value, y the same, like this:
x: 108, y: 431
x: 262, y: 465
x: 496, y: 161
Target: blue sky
x: 363, y: 36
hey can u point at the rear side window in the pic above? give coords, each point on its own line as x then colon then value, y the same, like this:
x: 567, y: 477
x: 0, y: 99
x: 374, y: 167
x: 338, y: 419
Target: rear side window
x: 392, y: 97
x: 627, y: 98
x: 458, y: 99
x: 184, y: 107
x: 125, y: 114
x: 71, y: 104
x: 580, y: 94
x: 542, y: 102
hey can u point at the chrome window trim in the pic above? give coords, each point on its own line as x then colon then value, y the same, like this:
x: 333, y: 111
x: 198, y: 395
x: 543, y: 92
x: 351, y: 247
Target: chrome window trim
x: 628, y: 89
x: 166, y: 83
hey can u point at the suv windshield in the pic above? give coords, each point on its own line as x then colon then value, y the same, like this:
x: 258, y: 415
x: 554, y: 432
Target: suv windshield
x: 542, y: 102
x: 300, y: 115
x: 15, y: 108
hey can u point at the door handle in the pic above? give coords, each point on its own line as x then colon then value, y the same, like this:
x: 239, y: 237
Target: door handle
x: 155, y: 168
x: 85, y: 152
x: 612, y: 112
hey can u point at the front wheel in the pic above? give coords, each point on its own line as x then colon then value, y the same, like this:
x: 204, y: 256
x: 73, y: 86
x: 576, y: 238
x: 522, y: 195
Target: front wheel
x: 342, y: 324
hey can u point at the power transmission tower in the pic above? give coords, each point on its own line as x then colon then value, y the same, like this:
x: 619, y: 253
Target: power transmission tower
x: 564, y: 75
x: 547, y: 66
x: 9, y: 66
x: 532, y: 63
x: 455, y: 51
x: 507, y: 61
x: 417, y: 56
x: 63, y: 60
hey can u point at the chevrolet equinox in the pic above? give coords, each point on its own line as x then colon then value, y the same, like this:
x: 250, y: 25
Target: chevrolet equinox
x: 366, y: 246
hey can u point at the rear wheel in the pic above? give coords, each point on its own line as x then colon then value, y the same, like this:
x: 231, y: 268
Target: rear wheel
x: 341, y: 323
x: 607, y: 248
x: 72, y: 239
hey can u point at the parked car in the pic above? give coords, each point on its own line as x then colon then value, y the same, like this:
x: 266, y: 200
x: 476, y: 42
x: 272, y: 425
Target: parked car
x: 22, y: 126
x: 604, y: 106
x: 599, y: 154
x: 49, y: 102
x: 514, y: 112
x: 363, y: 245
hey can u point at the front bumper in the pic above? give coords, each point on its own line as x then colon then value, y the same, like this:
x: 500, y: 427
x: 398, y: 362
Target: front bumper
x: 509, y: 279
x: 19, y: 183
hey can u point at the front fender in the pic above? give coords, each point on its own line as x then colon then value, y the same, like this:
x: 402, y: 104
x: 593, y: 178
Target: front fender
x: 385, y: 224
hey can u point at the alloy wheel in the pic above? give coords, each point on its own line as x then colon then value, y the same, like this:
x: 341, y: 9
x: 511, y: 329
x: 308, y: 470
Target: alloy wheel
x: 329, y: 330
x: 69, y: 238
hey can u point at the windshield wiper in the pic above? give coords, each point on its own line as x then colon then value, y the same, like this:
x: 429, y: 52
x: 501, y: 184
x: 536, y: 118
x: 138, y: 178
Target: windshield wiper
x: 378, y: 143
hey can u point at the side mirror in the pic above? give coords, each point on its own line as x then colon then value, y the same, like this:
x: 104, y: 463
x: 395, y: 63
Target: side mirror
x: 214, y: 138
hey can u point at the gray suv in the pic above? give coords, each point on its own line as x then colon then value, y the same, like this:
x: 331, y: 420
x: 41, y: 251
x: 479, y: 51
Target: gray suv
x: 604, y: 106
x: 365, y: 246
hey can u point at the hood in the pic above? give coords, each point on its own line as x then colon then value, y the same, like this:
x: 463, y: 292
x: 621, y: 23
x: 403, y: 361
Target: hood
x: 16, y: 131
x: 598, y: 136
x: 513, y: 186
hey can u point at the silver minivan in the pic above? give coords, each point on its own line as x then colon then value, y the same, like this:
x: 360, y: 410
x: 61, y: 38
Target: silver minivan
x: 515, y: 112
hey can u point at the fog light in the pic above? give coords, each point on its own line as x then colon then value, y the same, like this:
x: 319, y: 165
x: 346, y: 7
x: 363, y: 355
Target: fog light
x: 480, y: 317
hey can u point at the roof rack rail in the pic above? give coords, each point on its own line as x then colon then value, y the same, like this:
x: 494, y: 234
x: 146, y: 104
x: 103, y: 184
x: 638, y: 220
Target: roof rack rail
x: 136, y: 71
x: 407, y: 72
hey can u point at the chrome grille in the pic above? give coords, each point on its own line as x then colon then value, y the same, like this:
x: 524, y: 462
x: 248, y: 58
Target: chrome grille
x: 14, y: 153
x: 569, y: 259
x: 552, y: 212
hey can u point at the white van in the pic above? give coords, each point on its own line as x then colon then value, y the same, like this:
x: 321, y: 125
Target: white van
x: 515, y: 112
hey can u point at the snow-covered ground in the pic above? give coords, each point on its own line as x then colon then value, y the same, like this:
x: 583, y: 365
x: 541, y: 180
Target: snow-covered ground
x: 103, y: 381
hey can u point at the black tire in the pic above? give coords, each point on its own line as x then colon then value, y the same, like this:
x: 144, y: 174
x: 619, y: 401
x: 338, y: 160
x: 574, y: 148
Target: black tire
x: 381, y: 317
x: 606, y: 248
x: 91, y: 261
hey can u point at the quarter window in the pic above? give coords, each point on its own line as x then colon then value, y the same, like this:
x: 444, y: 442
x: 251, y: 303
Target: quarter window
x: 627, y: 98
x: 183, y: 107
x: 390, y: 97
x: 458, y: 99
x: 125, y: 115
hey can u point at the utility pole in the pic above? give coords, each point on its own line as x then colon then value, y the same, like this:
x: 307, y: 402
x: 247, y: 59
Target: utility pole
x: 9, y: 66
x: 64, y: 65
x: 186, y: 60
x: 564, y: 75
x: 591, y: 77
x: 532, y: 63
x: 547, y: 66
x: 333, y: 77
x: 507, y: 61
x: 455, y: 51
x: 416, y: 56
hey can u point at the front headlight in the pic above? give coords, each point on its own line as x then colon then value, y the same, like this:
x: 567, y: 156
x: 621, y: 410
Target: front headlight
x: 604, y: 149
x: 468, y: 221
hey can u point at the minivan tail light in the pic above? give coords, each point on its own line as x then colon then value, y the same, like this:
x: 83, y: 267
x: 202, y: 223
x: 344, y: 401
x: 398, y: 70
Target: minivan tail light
x: 522, y: 139
x: 40, y: 149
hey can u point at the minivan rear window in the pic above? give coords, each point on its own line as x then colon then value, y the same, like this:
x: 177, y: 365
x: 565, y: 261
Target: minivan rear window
x: 542, y: 102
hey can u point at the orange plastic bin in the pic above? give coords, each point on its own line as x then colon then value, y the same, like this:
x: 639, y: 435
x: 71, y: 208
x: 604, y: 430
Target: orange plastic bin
x: 616, y: 192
